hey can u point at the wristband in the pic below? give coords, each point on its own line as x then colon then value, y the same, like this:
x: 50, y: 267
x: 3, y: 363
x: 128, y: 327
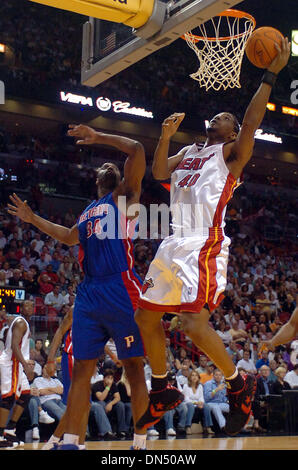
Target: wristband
x: 107, y: 388
x: 269, y: 78
x: 50, y: 362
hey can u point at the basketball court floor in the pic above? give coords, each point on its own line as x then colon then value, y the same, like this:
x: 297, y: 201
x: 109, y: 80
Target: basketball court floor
x: 196, y: 442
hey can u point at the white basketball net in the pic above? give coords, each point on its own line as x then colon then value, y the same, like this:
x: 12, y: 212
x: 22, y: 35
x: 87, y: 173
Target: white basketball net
x: 221, y: 55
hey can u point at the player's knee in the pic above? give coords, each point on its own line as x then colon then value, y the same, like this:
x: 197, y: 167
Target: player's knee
x: 145, y: 320
x: 7, y: 402
x: 193, y: 323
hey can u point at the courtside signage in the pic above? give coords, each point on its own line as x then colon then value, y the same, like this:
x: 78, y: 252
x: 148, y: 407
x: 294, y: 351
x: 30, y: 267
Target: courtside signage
x: 104, y: 104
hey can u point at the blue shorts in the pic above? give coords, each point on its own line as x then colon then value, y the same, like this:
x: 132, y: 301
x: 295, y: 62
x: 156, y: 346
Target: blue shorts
x: 104, y: 309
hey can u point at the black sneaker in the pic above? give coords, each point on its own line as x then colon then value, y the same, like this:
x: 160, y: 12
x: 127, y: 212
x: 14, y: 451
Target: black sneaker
x: 109, y: 436
x: 240, y: 406
x: 6, y: 444
x: 159, y: 403
x: 10, y: 435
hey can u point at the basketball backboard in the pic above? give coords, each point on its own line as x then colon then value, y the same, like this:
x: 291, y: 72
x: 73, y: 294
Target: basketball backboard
x: 109, y: 48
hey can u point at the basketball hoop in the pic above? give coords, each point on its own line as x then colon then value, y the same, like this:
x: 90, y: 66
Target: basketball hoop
x: 220, y: 48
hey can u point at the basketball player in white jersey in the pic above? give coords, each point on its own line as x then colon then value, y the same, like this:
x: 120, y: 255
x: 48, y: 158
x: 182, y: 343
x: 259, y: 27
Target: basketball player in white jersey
x: 15, y: 372
x: 188, y: 274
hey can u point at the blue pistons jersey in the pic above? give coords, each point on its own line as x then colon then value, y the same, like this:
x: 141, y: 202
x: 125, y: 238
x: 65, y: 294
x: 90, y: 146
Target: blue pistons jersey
x: 108, y: 296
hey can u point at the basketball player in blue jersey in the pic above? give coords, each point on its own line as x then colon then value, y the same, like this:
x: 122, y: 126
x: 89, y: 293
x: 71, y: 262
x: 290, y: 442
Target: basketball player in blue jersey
x: 188, y: 273
x: 107, y: 297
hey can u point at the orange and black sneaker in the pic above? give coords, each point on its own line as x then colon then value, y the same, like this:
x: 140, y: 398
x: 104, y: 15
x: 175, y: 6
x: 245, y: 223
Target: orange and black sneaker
x: 160, y: 402
x: 240, y: 406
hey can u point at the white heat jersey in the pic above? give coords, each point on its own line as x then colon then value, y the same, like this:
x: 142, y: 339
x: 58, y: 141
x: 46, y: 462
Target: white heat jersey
x: 7, y: 355
x: 201, y: 187
x: 189, y: 270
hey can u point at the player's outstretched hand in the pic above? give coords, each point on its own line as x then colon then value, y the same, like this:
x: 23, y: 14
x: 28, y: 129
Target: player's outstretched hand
x: 171, y: 124
x: 282, y: 58
x: 20, y: 209
x: 85, y: 134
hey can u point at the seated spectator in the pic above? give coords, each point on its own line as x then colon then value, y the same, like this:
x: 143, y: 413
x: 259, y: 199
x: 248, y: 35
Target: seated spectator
x: 247, y: 363
x: 202, y: 364
x: 27, y: 260
x: 36, y: 413
x: 181, y: 410
x: 238, y: 335
x: 194, y: 399
x: 65, y: 268
x: 186, y: 362
x: 51, y: 274
x: 253, y: 334
x: 216, y: 397
x: 55, y: 261
x: 292, y: 377
x: 38, y: 354
x: 30, y: 283
x: 208, y: 375
x: 16, y: 279
x: 252, y: 321
x: 106, y: 393
x: 280, y: 384
x: 7, y: 270
x: 273, y: 367
x: 233, y: 352
x: 223, y: 333
x: 70, y: 292
x: 3, y: 280
x: 55, y: 299
x: 182, y: 354
x: 50, y: 393
x: 263, y: 388
x: 45, y: 284
x: 41, y: 262
x: 263, y: 361
x: 182, y: 378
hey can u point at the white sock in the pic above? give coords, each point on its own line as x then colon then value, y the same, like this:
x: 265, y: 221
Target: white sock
x: 82, y: 447
x: 139, y: 441
x: 71, y: 439
x: 233, y: 376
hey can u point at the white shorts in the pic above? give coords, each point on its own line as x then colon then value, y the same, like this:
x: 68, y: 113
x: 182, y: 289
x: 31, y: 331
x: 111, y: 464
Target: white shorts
x: 187, y: 273
x: 13, y: 380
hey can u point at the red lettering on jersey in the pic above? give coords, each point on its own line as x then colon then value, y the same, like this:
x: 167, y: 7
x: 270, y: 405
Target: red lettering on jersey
x: 195, y: 164
x: 184, y: 164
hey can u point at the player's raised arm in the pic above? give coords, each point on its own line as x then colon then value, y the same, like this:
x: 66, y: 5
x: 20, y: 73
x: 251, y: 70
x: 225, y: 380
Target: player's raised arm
x: 135, y: 165
x: 163, y: 166
x: 19, y: 208
x: 240, y: 152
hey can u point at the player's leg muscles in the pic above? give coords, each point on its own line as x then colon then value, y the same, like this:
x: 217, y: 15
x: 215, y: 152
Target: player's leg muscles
x: 134, y: 369
x: 79, y: 395
x: 196, y: 326
x: 154, y: 339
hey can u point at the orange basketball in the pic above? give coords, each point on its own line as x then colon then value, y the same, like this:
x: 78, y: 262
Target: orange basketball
x: 260, y: 48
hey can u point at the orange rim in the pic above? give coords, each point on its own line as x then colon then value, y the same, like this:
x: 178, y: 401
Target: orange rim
x: 228, y: 13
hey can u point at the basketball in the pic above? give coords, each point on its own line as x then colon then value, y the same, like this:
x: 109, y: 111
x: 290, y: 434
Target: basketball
x: 260, y: 48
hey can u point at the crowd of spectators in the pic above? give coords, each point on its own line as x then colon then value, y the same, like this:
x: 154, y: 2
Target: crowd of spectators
x: 48, y: 60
